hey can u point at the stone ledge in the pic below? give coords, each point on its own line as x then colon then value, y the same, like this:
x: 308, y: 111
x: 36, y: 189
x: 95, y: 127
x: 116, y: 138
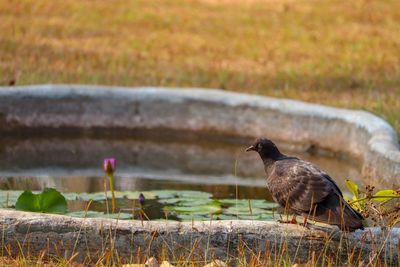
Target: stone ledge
x: 64, y: 236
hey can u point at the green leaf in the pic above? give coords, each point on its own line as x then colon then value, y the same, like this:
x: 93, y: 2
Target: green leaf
x: 194, y: 210
x: 385, y: 195
x: 358, y: 206
x: 187, y: 201
x: 353, y: 187
x: 49, y: 201
x: 181, y: 194
x: 135, y: 194
x: 347, y: 197
x: 97, y: 196
x: 243, y: 210
x: 71, y: 196
x: 28, y: 201
x: 255, y: 203
x: 193, y: 194
x: 100, y: 196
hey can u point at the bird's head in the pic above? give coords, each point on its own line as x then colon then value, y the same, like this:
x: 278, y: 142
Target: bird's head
x: 266, y: 148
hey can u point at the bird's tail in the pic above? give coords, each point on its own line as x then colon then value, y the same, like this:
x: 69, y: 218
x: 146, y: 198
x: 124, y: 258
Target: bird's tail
x: 337, y: 211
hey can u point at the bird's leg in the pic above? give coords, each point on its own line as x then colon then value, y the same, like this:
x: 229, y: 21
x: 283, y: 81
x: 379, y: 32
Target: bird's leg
x: 292, y: 221
x: 304, y: 223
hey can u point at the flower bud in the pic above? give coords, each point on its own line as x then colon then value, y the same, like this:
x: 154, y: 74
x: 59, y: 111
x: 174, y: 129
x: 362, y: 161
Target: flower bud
x: 141, y: 199
x: 109, y: 165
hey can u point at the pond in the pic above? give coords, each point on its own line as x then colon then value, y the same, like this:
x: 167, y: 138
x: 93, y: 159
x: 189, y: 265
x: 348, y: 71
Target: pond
x: 182, y: 175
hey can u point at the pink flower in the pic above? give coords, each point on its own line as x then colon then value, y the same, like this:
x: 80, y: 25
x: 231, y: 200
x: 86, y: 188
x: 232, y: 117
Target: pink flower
x: 109, y: 165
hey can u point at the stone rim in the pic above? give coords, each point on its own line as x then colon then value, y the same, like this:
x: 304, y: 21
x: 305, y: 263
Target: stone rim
x: 354, y: 132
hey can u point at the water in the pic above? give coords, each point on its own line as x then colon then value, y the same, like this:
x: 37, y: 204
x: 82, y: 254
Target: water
x: 148, y: 162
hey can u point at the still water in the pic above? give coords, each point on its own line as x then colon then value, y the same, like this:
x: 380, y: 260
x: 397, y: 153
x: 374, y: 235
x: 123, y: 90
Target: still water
x: 149, y: 162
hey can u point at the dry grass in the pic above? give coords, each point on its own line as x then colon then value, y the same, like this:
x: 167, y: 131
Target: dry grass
x: 341, y: 53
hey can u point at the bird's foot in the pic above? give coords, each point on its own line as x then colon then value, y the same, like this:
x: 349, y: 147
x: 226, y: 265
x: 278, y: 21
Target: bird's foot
x: 305, y: 223
x: 292, y: 221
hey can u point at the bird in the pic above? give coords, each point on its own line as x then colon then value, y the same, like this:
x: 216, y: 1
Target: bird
x: 304, y: 189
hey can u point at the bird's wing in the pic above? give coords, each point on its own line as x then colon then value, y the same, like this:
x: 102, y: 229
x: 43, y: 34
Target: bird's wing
x: 299, y: 185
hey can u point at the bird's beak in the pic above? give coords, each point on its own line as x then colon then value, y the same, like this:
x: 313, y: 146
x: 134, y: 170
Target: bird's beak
x: 250, y: 148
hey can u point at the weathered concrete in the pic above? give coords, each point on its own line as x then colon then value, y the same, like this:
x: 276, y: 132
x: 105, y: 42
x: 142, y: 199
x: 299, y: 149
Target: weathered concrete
x: 90, y: 108
x: 24, y: 110
x: 64, y: 236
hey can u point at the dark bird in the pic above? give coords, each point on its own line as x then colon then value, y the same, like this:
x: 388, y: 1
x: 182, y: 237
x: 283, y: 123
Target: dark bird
x: 304, y: 189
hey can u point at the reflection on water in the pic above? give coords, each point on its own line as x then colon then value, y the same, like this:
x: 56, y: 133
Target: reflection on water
x: 75, y: 165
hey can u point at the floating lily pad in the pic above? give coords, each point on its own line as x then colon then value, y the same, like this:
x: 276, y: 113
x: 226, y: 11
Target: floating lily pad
x: 189, y: 201
x: 255, y: 203
x: 71, y: 196
x: 170, y: 201
x: 48, y: 201
x: 98, y: 196
x: 194, y: 210
x: 135, y: 194
x: 181, y: 194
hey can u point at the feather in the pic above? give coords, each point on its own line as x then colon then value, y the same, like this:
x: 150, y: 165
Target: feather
x: 304, y: 189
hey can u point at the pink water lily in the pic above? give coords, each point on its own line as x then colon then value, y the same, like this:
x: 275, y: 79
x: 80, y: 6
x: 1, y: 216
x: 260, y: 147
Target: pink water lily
x: 109, y: 165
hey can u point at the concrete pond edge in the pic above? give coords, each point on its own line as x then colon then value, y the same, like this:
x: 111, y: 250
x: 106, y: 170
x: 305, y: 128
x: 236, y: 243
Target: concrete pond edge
x: 64, y: 236
x: 90, y: 108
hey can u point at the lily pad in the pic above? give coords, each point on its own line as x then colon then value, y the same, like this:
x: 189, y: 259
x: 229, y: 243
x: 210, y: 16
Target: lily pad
x: 49, y: 201
x: 71, y: 196
x: 98, y: 196
x: 181, y: 194
x: 243, y: 210
x: 195, y: 209
x: 188, y: 201
x: 255, y: 203
x: 135, y: 194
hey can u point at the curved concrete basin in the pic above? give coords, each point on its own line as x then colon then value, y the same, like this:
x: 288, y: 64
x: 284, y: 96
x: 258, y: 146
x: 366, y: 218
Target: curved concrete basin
x: 233, y: 116
x: 221, y: 116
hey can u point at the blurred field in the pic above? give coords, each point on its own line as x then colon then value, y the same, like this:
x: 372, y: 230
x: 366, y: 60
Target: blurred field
x: 341, y: 53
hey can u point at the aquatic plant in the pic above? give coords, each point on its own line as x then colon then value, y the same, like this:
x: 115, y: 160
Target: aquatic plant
x: 141, y: 199
x: 48, y: 201
x: 109, y: 165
